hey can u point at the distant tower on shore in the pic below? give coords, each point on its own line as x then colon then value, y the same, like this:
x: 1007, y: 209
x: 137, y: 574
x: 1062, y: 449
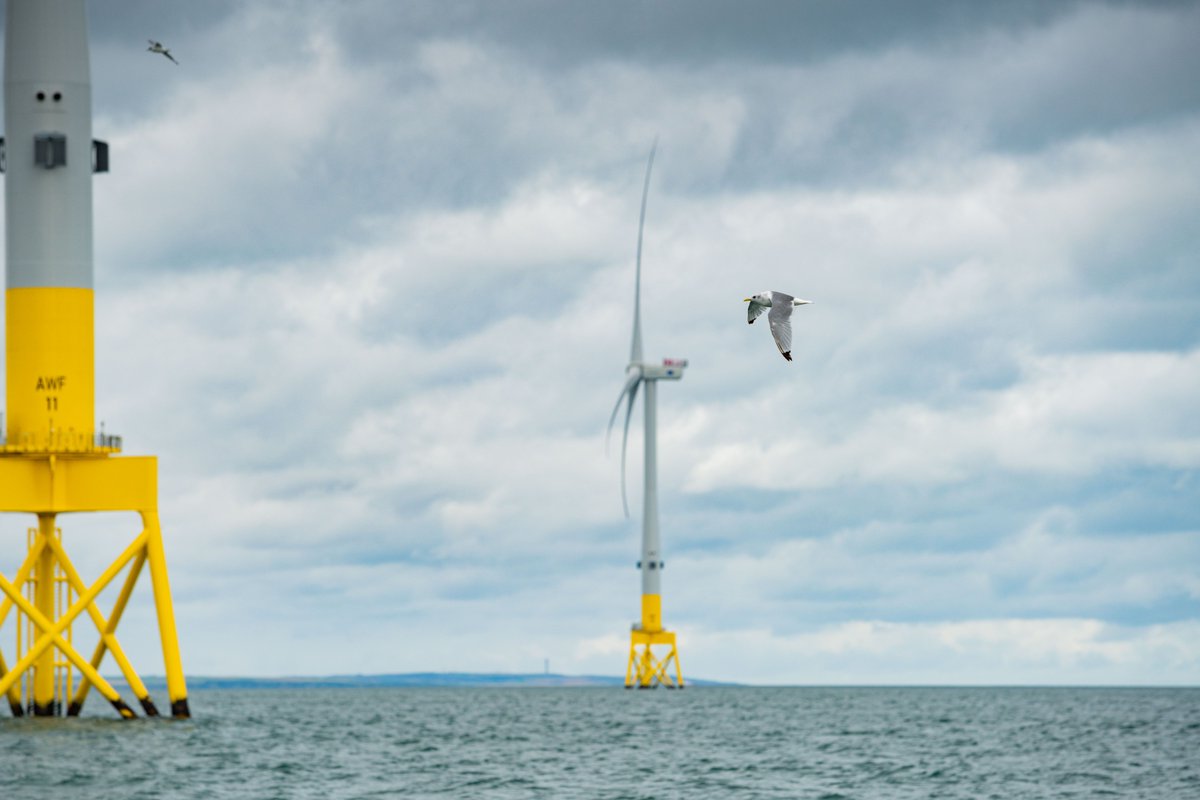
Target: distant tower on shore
x: 647, y: 669
x: 52, y: 459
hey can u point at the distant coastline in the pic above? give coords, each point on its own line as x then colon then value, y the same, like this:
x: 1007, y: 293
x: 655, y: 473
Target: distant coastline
x: 412, y: 679
x: 157, y: 683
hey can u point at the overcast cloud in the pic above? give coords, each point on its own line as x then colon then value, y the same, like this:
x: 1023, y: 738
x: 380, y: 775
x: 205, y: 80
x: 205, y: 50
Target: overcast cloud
x: 364, y: 285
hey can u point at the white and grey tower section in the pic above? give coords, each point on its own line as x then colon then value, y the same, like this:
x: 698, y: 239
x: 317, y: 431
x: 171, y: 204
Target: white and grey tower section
x: 49, y: 154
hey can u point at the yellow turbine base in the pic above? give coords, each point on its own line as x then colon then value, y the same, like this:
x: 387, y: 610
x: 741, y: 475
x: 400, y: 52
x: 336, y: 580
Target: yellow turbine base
x: 48, y: 485
x: 646, y: 668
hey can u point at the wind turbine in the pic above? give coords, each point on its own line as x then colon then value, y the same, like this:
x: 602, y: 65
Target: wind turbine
x: 645, y: 669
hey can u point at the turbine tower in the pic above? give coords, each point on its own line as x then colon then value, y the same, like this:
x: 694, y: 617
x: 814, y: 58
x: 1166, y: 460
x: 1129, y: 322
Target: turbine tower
x: 52, y: 459
x: 647, y: 669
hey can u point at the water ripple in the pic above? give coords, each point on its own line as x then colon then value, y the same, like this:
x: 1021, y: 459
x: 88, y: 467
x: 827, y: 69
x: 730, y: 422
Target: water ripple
x: 837, y: 744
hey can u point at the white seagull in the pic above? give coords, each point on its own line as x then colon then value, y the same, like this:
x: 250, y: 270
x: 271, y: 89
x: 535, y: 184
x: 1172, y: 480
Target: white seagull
x: 780, y: 317
x: 157, y: 47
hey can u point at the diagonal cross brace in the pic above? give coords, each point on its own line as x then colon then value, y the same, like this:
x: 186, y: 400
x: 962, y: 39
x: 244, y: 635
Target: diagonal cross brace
x: 22, y: 575
x: 661, y: 673
x: 651, y: 669
x: 52, y: 630
x: 106, y: 628
x: 101, y: 647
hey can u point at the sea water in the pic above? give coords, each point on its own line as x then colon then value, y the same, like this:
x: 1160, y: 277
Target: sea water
x: 703, y: 742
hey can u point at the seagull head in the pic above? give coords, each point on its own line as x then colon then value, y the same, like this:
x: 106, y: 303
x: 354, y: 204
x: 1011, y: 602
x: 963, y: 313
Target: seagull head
x: 762, y: 298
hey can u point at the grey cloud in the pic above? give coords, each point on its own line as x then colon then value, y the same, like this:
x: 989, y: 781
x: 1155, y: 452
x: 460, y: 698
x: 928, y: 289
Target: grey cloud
x: 315, y: 135
x: 987, y: 551
x: 559, y: 34
x: 568, y: 34
x: 164, y: 20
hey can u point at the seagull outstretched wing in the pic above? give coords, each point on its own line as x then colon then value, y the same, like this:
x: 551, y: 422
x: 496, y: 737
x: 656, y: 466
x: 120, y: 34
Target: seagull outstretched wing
x: 780, y: 319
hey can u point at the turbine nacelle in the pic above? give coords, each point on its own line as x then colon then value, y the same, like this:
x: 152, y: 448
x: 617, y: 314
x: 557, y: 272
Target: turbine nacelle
x: 671, y: 369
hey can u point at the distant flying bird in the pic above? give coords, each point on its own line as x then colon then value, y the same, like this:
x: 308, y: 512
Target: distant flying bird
x: 157, y: 47
x: 780, y: 316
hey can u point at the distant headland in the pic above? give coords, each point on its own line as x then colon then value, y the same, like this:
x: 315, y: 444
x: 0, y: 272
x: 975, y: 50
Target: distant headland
x: 413, y: 679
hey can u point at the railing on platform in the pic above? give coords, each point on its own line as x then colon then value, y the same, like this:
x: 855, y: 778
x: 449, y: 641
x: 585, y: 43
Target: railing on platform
x: 66, y: 441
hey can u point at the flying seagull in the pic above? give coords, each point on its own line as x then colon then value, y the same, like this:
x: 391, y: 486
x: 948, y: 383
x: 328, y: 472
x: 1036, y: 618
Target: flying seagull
x: 780, y: 316
x: 157, y: 47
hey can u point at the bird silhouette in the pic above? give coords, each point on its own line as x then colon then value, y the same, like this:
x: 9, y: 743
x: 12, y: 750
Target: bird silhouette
x: 157, y: 47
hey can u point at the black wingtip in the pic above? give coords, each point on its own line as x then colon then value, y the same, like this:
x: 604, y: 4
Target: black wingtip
x: 750, y: 321
x: 788, y: 355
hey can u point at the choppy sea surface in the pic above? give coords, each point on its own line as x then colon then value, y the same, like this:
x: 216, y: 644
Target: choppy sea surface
x: 703, y: 742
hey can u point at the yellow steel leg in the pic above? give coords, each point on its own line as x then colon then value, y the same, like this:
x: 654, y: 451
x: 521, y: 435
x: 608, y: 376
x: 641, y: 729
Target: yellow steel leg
x: 44, y: 700
x: 31, y: 558
x: 176, y: 687
x: 678, y: 678
x: 14, y: 691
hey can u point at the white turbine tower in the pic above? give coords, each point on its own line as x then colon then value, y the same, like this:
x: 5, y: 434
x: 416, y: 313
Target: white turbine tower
x: 645, y: 669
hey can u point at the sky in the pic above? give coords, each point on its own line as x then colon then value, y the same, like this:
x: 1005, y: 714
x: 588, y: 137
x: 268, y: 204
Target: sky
x: 364, y: 285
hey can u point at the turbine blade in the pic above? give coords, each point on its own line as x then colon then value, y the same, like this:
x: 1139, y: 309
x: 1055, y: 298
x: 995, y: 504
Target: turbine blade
x: 629, y: 384
x: 624, y: 442
x: 635, y: 349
